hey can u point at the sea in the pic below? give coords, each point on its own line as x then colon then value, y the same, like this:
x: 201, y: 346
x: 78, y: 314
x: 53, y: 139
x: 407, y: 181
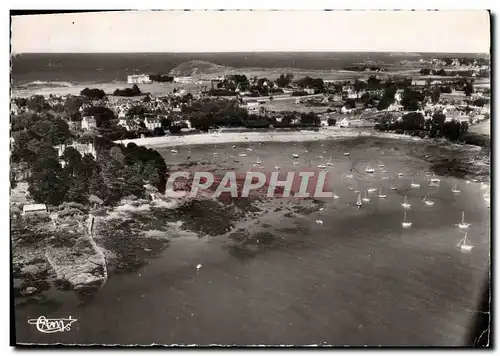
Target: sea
x: 357, y: 279
x: 67, y: 69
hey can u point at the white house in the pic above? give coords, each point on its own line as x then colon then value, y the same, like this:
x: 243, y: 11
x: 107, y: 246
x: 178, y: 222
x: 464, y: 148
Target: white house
x: 34, y: 209
x: 345, y: 110
x: 82, y: 148
x: 344, y: 123
x: 138, y: 79
x: 152, y: 123
x: 309, y: 91
x: 125, y: 123
x: 88, y: 123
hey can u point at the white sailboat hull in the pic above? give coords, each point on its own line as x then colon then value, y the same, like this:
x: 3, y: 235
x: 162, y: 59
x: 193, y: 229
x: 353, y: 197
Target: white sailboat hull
x: 463, y: 225
x: 413, y: 185
x: 382, y: 196
x: 466, y: 248
x: 366, y: 200
x: 406, y: 205
x: 429, y: 203
x: 406, y: 224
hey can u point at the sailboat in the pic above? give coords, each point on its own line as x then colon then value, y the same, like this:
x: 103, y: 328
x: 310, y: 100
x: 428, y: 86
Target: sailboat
x: 346, y: 153
x: 381, y: 165
x: 463, y: 224
x: 320, y: 157
x: 454, y: 189
x: 242, y: 155
x: 414, y: 185
x: 427, y: 201
x: 295, y: 155
x: 329, y: 163
x: 359, y: 203
x: 258, y: 161
x: 295, y: 163
x: 249, y: 149
x: 369, y: 170
x: 349, y: 176
x: 380, y: 195
x: 400, y: 174
x: 277, y: 168
x: 393, y: 187
x: 350, y: 188
x: 434, y: 182
x: 406, y: 204
x: 321, y: 166
x: 365, y: 198
x: 405, y: 223
x: 371, y: 190
x: 464, y: 246
x: 383, y: 171
x: 173, y: 151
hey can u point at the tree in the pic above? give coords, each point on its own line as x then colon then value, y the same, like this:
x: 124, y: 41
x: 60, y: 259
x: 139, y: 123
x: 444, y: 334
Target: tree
x: 435, y: 95
x: 332, y: 122
x: 93, y: 94
x: 37, y: 103
x: 425, y: 71
x: 133, y: 180
x: 46, y: 183
x: 147, y: 99
x: 103, y: 115
x: 97, y: 186
x: 411, y: 100
x: 158, y: 131
x: 112, y: 174
x: 359, y: 85
x: 284, y: 80
x: 468, y: 89
x: 310, y: 119
x: 350, y: 104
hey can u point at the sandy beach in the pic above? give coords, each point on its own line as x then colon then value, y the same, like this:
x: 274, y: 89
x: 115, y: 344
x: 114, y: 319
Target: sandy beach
x: 236, y: 137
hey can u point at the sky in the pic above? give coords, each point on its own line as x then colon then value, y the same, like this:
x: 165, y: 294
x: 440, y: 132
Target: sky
x: 466, y: 31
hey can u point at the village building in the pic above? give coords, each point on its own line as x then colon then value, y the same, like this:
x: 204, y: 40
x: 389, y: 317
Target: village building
x: 126, y: 123
x: 152, y: 123
x: 138, y: 79
x: 344, y: 122
x: 34, y: 209
x: 82, y: 148
x: 88, y: 123
x: 75, y: 126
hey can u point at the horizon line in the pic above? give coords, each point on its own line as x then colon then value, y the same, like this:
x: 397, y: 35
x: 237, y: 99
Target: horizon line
x: 249, y: 51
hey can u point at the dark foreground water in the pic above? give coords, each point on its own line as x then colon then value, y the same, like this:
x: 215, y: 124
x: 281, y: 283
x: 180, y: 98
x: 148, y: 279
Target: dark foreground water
x: 358, y: 279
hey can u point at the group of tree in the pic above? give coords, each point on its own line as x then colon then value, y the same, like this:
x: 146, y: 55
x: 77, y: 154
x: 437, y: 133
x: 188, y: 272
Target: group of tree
x: 161, y: 78
x: 312, y: 83
x: 412, y: 99
x: 93, y: 94
x: 414, y: 123
x: 284, y: 80
x: 388, y: 98
x: 128, y: 92
x: 117, y: 172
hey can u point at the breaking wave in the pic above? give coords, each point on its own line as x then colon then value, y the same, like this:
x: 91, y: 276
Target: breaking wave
x: 43, y: 84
